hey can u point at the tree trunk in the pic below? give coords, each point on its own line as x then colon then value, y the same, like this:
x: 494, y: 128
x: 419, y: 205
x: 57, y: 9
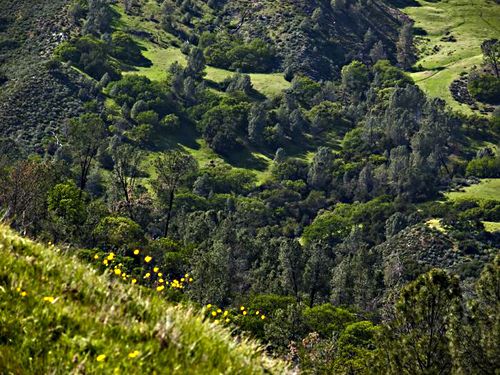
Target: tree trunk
x: 169, y: 211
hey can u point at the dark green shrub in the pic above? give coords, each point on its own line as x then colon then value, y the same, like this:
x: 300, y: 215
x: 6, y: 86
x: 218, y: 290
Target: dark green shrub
x: 485, y: 88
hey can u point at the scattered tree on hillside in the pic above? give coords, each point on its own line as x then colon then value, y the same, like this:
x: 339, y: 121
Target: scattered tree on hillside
x: 491, y: 53
x: 405, y: 49
x: 416, y: 340
x: 85, y: 135
x: 172, y: 168
x: 126, y: 161
x: 377, y: 52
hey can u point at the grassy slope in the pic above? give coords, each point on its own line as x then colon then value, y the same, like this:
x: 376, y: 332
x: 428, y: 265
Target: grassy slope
x: 487, y: 189
x: 91, y: 315
x: 162, y: 54
x: 470, y: 22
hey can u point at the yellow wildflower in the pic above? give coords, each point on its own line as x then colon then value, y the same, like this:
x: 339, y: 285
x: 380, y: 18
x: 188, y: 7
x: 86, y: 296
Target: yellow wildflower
x: 161, y: 281
x: 118, y: 271
x: 244, y: 312
x: 228, y: 320
x: 186, y: 275
x: 242, y: 308
x: 257, y: 312
x: 263, y: 317
x: 24, y: 294
x: 111, y: 256
x: 148, y: 259
x: 190, y: 279
x: 96, y: 256
x: 49, y: 299
x: 160, y: 288
x: 101, y: 358
x: 146, y: 276
x: 134, y: 354
x: 182, y: 280
x: 136, y: 252
x: 156, y: 269
x: 226, y: 313
x: 134, y: 281
x: 160, y: 274
x: 105, y: 262
x: 209, y: 306
x: 214, y: 313
x: 219, y: 311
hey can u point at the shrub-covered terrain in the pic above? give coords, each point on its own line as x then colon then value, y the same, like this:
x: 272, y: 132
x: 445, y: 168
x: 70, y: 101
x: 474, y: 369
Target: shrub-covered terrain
x: 276, y: 167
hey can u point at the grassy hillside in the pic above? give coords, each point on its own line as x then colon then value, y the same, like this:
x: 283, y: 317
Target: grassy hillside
x: 162, y: 54
x: 487, y: 189
x: 469, y: 23
x: 59, y: 316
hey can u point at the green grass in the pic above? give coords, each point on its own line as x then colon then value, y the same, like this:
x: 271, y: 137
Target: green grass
x: 491, y: 226
x: 267, y: 84
x: 71, y: 315
x: 488, y: 189
x: 470, y: 22
x: 162, y: 54
x: 435, y: 224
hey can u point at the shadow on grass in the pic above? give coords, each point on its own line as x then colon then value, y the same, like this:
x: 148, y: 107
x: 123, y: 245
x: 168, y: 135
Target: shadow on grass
x: 243, y: 158
x: 404, y: 3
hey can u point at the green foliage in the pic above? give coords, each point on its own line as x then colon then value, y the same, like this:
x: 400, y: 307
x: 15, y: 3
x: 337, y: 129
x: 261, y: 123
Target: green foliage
x: 226, y: 51
x: 355, y: 79
x: 125, y: 49
x: 405, y: 48
x: 484, y: 167
x: 356, y: 348
x: 221, y: 124
x: 65, y: 202
x: 327, y: 319
x: 86, y: 134
x: 171, y: 122
x: 326, y: 116
x: 485, y: 88
x: 475, y: 339
x: 390, y: 76
x: 329, y: 227
x: 221, y: 178
x: 89, y: 54
x: 416, y: 341
x: 115, y: 232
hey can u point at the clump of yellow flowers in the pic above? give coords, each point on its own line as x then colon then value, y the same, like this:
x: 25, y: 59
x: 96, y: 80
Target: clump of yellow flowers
x: 153, y: 277
x: 220, y: 315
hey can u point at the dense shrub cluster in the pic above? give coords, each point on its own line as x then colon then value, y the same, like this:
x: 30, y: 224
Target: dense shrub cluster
x: 485, y: 88
x: 226, y: 51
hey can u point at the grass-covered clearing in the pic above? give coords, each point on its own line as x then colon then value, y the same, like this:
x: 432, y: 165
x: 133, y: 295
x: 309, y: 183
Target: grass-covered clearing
x: 162, y: 54
x: 487, y: 189
x: 469, y: 22
x: 162, y: 58
x: 435, y: 224
x: 60, y: 316
x: 491, y: 226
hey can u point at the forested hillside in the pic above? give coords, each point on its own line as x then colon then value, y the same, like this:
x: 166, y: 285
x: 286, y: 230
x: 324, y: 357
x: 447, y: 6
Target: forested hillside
x: 315, y: 175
